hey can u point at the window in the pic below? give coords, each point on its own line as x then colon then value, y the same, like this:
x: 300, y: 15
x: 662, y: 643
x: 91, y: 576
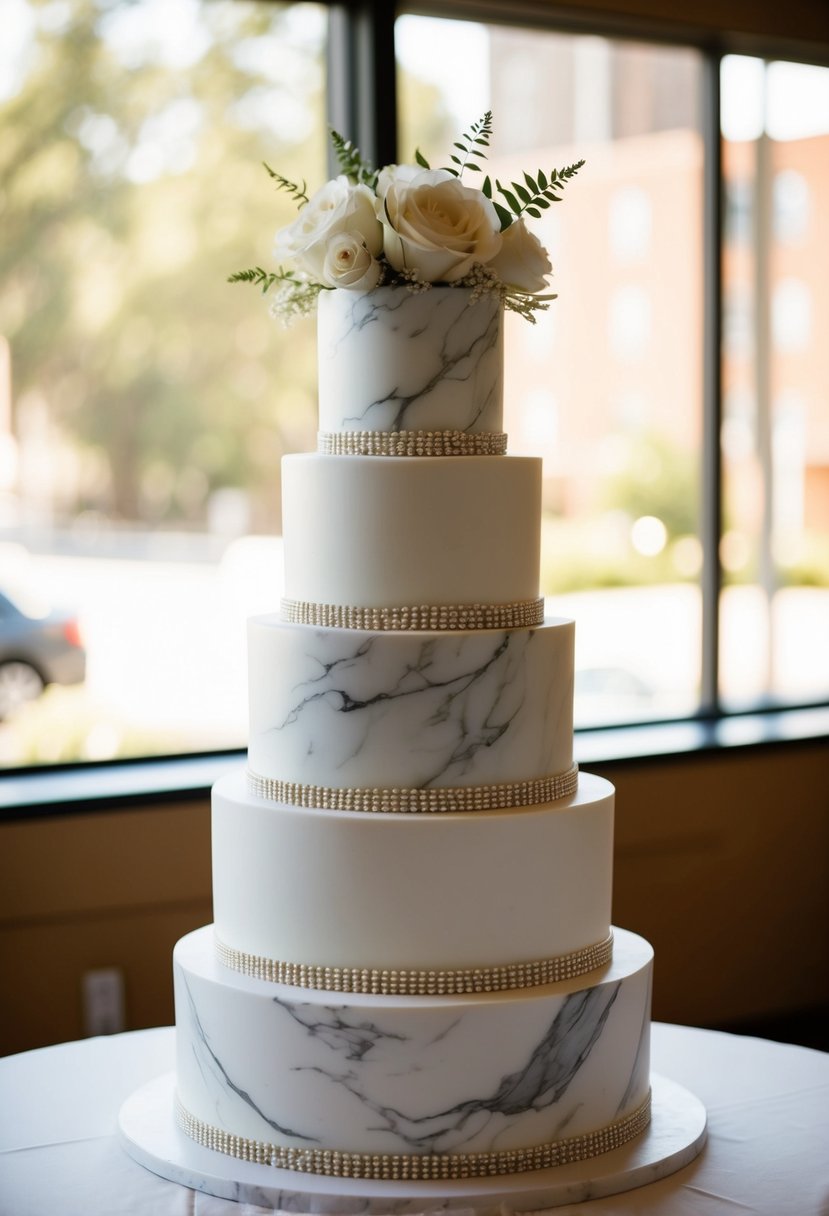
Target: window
x: 140, y: 424
x: 145, y: 404
x: 616, y: 362
x: 774, y: 610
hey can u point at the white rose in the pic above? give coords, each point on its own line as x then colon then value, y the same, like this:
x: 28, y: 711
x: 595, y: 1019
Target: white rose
x: 435, y: 225
x: 338, y: 206
x: 522, y: 261
x: 348, y: 263
x: 399, y: 174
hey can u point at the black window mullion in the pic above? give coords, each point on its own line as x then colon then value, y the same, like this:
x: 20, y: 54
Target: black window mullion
x: 362, y: 79
x: 712, y: 470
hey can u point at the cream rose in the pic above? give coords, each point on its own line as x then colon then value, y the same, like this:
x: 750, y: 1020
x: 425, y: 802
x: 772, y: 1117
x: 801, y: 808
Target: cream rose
x: 398, y: 174
x: 434, y: 224
x: 339, y: 206
x: 522, y: 261
x: 349, y: 264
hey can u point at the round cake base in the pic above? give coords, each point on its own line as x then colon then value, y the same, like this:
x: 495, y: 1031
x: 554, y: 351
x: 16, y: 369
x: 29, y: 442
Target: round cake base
x: 151, y: 1136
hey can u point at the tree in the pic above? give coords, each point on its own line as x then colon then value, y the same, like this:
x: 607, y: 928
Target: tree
x: 131, y: 188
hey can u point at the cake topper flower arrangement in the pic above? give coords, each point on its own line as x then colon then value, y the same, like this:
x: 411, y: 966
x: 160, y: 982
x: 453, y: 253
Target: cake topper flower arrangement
x: 414, y: 226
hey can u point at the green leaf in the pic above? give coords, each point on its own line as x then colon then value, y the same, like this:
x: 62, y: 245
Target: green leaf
x: 421, y: 159
x: 503, y: 215
x: 542, y: 180
x: 486, y: 188
x: 523, y: 194
x: 511, y: 199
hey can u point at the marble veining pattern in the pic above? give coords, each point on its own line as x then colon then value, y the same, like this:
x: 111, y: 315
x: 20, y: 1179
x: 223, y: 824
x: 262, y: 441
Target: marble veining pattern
x: 376, y: 709
x: 387, y: 1075
x: 641, y: 1061
x: 540, y: 1084
x: 674, y: 1137
x: 396, y: 361
x: 209, y: 1065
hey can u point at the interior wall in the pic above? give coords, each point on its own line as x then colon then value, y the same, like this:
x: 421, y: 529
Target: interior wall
x: 722, y: 862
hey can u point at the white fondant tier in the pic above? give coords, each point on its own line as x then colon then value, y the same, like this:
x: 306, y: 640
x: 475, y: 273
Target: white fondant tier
x: 349, y: 889
x: 375, y: 1074
x: 351, y: 708
x: 387, y: 531
x: 397, y: 360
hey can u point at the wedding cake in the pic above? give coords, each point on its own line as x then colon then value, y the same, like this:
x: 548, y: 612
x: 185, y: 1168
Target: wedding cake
x: 412, y: 972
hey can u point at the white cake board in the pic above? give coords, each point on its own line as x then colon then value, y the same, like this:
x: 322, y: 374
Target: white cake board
x: 151, y: 1136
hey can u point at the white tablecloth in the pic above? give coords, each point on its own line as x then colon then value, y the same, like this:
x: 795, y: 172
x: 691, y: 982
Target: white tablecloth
x: 767, y: 1151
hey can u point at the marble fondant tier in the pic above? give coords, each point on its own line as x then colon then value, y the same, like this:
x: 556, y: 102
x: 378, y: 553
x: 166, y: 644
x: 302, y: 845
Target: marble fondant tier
x: 344, y: 889
x: 387, y: 531
x: 373, y: 1074
x: 348, y: 708
x: 397, y: 360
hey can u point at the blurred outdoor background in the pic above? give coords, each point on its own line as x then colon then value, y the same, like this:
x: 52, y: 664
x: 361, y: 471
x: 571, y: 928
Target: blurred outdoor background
x: 145, y: 403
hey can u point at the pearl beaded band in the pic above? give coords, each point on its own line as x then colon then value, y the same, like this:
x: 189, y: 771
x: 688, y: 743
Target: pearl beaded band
x: 418, y: 1166
x: 521, y: 614
x: 460, y: 981
x: 450, y: 799
x: 412, y: 443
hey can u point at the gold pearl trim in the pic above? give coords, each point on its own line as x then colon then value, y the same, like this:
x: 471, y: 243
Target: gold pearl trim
x: 521, y: 614
x: 412, y: 982
x: 412, y: 1167
x: 412, y: 443
x: 450, y: 799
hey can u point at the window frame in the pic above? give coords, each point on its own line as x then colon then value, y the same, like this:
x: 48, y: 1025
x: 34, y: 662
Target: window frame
x: 362, y: 100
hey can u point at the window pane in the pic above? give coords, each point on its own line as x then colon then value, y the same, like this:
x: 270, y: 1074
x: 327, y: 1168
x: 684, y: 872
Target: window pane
x: 775, y: 440
x: 607, y: 387
x: 144, y: 403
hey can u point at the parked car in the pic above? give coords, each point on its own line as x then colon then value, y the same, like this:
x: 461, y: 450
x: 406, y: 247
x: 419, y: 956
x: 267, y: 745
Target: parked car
x: 36, y: 650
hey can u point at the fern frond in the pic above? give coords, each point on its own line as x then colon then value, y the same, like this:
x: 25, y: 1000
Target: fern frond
x: 534, y: 195
x: 284, y: 183
x: 351, y: 161
x: 263, y: 278
x: 471, y: 146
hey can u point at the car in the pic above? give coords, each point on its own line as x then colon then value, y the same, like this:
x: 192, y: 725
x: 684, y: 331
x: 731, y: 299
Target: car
x: 37, y: 647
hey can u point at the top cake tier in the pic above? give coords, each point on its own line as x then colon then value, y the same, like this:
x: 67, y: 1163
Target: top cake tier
x: 398, y: 360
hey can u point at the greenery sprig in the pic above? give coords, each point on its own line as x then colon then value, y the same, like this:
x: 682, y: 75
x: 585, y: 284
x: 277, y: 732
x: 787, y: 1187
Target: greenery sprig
x: 284, y: 183
x: 259, y: 277
x: 471, y: 145
x: 351, y: 161
x: 533, y: 196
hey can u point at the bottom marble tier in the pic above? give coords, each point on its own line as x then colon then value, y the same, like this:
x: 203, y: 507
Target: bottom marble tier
x: 674, y: 1137
x: 311, y: 1076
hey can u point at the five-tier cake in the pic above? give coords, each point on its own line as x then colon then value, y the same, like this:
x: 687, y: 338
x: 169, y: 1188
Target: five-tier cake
x: 412, y: 972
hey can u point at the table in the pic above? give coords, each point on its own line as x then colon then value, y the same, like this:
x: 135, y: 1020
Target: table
x: 767, y: 1150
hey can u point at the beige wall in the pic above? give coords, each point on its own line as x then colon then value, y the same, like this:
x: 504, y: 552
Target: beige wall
x: 722, y: 862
